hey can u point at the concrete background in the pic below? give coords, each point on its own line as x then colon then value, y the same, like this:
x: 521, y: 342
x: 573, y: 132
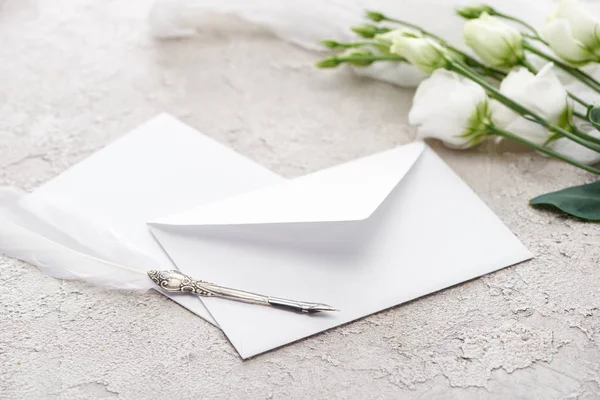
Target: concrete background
x: 76, y: 74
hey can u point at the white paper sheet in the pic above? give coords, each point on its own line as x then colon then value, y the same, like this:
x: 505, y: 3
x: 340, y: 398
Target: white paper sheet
x: 161, y: 167
x: 362, y: 237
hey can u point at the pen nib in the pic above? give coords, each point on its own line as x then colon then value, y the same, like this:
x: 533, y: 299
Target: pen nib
x: 321, y: 307
x: 301, y: 306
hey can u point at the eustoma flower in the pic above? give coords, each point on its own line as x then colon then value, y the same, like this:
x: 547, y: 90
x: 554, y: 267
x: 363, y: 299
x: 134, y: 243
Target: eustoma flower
x: 542, y: 93
x: 497, y: 43
x: 530, y: 107
x: 572, y: 33
x: 452, y: 105
x: 424, y: 53
x: 451, y: 108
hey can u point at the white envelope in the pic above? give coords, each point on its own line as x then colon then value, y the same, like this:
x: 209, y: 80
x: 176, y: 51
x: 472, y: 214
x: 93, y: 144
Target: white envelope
x: 363, y: 236
x: 159, y: 168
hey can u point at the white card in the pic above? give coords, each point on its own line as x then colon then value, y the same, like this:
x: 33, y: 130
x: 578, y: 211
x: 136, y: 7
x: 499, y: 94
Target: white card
x: 363, y: 236
x: 159, y: 168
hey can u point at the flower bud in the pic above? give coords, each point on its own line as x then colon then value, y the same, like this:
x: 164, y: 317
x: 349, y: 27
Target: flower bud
x: 425, y: 54
x: 496, y: 43
x: 355, y: 57
x: 329, y: 62
x: 375, y: 16
x: 369, y: 31
x: 387, y: 38
x: 331, y: 44
x: 572, y: 33
x: 473, y: 12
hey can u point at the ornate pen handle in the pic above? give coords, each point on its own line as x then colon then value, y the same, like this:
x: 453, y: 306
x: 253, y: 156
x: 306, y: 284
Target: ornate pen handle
x: 176, y: 281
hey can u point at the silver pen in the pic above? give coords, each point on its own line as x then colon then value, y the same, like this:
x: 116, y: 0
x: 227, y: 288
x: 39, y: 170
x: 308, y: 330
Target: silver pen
x: 176, y: 281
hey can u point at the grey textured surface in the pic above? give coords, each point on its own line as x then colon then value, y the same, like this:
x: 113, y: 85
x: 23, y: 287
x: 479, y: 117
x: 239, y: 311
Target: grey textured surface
x: 74, y: 75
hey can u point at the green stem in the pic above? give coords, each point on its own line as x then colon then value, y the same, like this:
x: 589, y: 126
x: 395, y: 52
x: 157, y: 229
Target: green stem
x: 579, y: 100
x: 487, y: 71
x: 513, y: 105
x: 575, y: 72
x: 575, y: 130
x: 373, y: 58
x: 533, y: 37
x: 352, y: 45
x: 500, y: 132
x: 357, y: 60
x: 415, y: 27
x: 525, y: 63
x: 522, y: 23
x: 471, y: 61
x: 585, y: 135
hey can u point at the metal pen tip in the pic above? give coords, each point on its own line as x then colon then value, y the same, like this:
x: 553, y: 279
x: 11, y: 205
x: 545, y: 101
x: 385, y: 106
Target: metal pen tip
x: 302, y: 306
x: 323, y: 307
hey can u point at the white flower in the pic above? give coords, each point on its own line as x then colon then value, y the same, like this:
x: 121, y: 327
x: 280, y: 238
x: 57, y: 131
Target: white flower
x: 425, y: 54
x: 498, y: 44
x: 572, y: 33
x: 388, y: 37
x: 543, y: 94
x: 450, y: 108
x: 577, y: 152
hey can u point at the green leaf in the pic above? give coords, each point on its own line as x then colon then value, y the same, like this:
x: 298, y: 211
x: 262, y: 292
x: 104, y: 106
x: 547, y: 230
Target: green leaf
x: 580, y: 201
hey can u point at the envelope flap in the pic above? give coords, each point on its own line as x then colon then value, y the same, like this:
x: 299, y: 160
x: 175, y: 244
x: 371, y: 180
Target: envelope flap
x: 348, y: 192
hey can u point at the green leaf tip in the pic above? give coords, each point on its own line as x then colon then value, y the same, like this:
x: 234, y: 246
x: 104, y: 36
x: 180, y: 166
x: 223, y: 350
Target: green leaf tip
x: 579, y: 201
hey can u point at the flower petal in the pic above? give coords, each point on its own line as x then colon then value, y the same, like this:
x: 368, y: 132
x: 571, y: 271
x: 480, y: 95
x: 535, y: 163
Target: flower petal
x: 529, y: 130
x: 546, y: 95
x: 576, y: 151
x: 514, y: 83
x: 423, y: 53
x: 543, y: 94
x: 443, y: 105
x: 497, y: 43
x: 560, y: 37
x: 502, y: 116
x: 583, y: 26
